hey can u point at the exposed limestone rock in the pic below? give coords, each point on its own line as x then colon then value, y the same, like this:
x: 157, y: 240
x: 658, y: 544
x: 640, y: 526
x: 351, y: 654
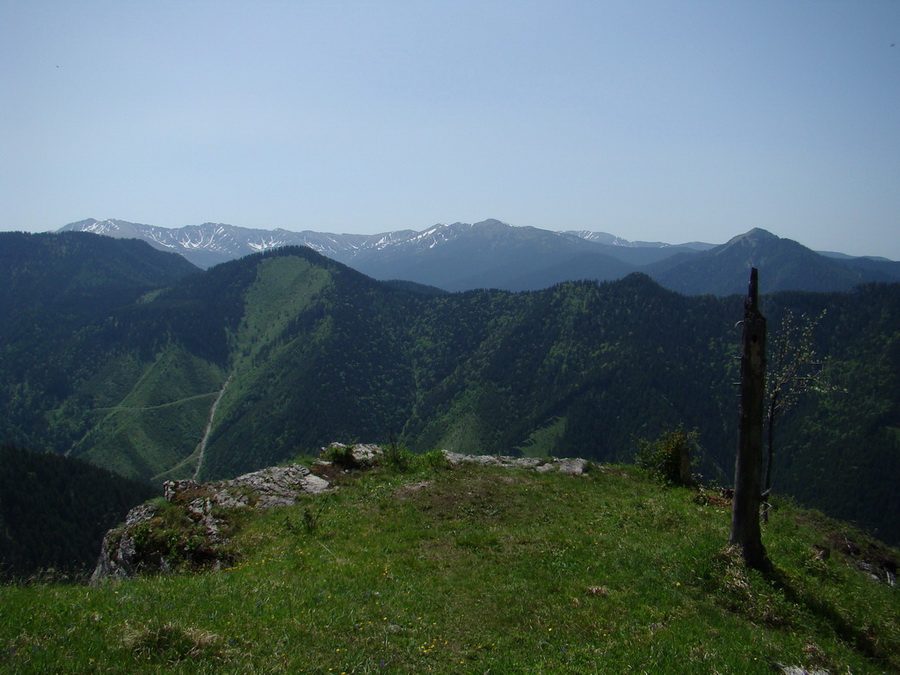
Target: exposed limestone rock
x: 275, y: 486
x: 357, y: 456
x: 570, y: 466
x: 799, y: 670
x: 199, y: 536
x: 118, y: 552
x: 173, y: 487
x: 192, y: 531
x: 367, y: 454
x: 494, y: 460
x: 364, y: 455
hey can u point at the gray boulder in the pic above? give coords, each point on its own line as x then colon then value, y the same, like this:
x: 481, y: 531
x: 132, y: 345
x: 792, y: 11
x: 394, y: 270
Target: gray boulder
x: 570, y: 466
x: 192, y: 530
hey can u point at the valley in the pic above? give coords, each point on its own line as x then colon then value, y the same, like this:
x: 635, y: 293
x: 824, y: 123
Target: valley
x: 313, y: 351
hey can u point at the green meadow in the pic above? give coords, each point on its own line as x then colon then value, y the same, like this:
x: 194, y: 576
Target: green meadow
x: 419, y: 567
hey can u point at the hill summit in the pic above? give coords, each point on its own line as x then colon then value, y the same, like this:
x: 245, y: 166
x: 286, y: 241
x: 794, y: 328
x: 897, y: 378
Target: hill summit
x: 417, y: 565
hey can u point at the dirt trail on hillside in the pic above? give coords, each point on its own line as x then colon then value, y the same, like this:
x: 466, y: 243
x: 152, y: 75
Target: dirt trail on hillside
x: 209, y: 423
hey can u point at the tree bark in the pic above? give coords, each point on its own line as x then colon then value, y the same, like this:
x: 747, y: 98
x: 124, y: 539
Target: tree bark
x: 745, y: 528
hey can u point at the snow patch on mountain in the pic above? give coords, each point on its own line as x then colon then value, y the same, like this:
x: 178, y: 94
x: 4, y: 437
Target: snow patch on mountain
x: 213, y: 243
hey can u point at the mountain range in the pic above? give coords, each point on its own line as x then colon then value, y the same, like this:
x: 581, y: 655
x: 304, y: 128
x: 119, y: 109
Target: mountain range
x: 139, y: 362
x: 492, y: 254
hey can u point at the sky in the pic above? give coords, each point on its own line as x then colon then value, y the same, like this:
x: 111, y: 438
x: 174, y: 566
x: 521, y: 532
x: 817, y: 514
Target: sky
x: 649, y: 119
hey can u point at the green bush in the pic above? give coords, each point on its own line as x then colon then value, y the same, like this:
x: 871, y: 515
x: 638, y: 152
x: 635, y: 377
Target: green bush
x: 340, y: 455
x: 669, y: 456
x: 397, y: 456
x: 435, y: 460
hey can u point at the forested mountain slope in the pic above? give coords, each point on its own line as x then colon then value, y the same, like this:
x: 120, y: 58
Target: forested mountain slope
x: 723, y: 270
x: 54, y: 287
x: 54, y: 511
x: 276, y: 354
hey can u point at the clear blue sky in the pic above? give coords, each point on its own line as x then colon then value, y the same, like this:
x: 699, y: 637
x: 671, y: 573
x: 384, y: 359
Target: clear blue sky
x: 653, y: 120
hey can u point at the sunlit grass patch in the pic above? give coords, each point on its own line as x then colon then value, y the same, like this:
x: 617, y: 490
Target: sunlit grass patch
x: 470, y: 570
x: 169, y: 642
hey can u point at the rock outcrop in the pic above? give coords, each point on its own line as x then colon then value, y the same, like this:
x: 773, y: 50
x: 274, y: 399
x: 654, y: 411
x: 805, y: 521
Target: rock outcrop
x: 192, y: 527
x: 570, y: 466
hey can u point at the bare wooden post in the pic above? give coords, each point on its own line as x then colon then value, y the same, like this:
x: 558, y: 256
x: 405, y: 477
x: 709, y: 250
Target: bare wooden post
x: 745, y: 530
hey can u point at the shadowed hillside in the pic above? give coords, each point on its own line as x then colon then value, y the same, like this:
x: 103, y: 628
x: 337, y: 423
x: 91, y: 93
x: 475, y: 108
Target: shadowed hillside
x: 54, y: 512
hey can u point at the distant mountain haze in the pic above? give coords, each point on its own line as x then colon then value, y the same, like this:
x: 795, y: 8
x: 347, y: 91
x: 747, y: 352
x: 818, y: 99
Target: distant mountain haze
x: 492, y: 254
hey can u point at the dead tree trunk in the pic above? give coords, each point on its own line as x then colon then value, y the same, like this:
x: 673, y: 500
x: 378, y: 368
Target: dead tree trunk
x: 745, y: 529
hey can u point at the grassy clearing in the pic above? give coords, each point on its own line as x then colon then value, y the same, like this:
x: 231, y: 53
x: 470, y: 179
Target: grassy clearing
x: 154, y: 427
x: 473, y: 570
x: 544, y: 441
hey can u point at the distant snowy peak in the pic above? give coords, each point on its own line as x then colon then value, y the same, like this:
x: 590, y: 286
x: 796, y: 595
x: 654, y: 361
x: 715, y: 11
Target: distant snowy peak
x: 612, y: 240
x: 600, y: 237
x: 493, y: 254
x: 437, y: 234
x: 217, y: 237
x: 110, y: 228
x: 204, y: 245
x: 431, y: 237
x: 91, y: 225
x: 212, y: 243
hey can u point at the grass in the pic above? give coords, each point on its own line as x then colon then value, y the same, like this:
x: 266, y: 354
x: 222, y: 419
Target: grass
x: 543, y: 442
x: 154, y: 427
x: 285, y: 286
x: 474, y: 570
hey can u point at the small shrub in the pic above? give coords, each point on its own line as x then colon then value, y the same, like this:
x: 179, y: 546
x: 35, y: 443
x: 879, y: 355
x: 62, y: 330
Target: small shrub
x: 669, y: 456
x: 341, y: 455
x: 310, y: 518
x: 173, y: 541
x: 397, y: 456
x: 435, y: 460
